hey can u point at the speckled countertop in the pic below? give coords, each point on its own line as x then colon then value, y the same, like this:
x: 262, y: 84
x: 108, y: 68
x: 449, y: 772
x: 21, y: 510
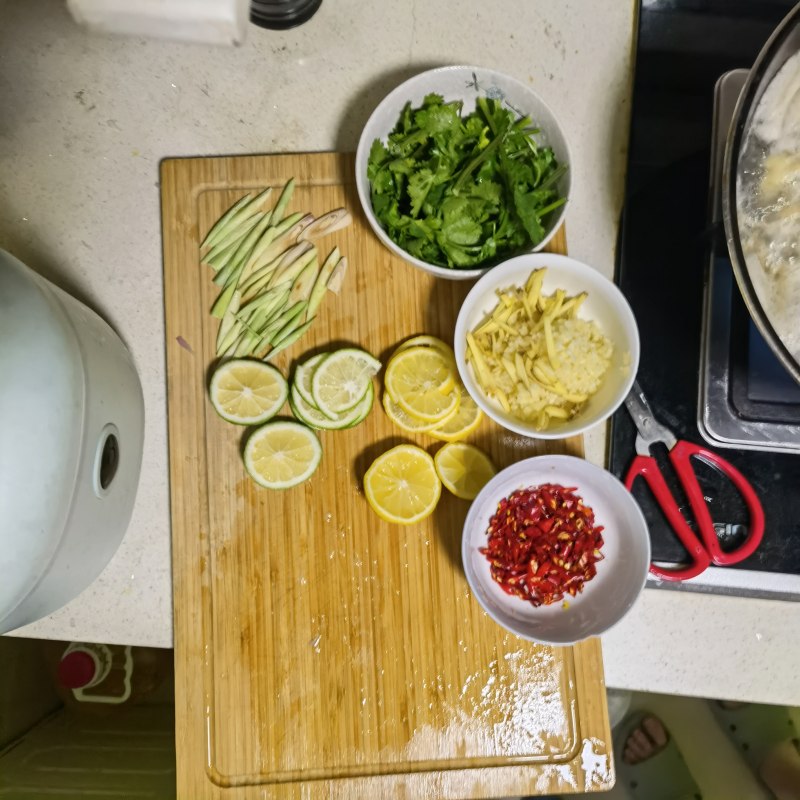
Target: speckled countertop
x: 85, y: 121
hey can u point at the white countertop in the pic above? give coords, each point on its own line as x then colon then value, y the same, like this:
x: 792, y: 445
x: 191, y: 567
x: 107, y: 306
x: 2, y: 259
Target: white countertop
x: 85, y: 121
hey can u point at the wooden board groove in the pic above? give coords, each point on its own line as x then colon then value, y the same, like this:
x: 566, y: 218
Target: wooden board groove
x: 320, y: 651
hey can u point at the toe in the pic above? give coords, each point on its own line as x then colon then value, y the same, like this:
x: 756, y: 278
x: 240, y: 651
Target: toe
x: 645, y: 741
x: 642, y: 741
x: 655, y: 730
x: 638, y: 745
x: 629, y: 756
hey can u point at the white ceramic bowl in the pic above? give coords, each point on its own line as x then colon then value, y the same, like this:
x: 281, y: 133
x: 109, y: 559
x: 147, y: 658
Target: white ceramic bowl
x: 466, y: 84
x: 621, y: 574
x: 605, y: 304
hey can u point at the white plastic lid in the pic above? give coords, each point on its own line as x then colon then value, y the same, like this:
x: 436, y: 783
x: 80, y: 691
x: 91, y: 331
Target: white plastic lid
x: 41, y: 427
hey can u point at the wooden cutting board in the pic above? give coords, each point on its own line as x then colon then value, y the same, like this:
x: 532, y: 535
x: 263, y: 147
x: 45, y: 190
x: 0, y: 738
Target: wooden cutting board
x: 320, y: 651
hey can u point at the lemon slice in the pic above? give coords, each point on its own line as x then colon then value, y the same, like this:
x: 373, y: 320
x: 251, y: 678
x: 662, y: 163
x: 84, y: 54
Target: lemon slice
x: 431, y: 406
x: 282, y: 454
x: 302, y: 377
x: 421, y: 381
x: 463, y: 469
x: 408, y: 422
x: 463, y: 422
x: 418, y: 368
x: 342, y: 379
x: 247, y: 392
x: 424, y: 340
x: 402, y: 485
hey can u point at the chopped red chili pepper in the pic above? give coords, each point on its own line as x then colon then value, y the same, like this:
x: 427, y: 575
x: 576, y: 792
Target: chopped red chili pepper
x: 543, y: 543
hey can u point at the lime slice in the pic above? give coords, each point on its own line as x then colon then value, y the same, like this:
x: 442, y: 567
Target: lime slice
x: 312, y: 416
x: 342, y: 379
x: 247, y: 392
x: 302, y: 377
x: 282, y: 454
x: 365, y: 406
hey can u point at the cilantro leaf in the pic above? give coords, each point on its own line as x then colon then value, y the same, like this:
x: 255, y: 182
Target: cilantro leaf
x: 377, y: 155
x: 463, y: 190
x: 419, y: 184
x: 437, y: 119
x: 487, y: 190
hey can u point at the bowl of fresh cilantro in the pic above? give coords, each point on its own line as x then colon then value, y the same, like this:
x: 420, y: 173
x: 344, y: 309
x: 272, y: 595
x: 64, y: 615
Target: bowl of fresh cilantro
x: 460, y: 168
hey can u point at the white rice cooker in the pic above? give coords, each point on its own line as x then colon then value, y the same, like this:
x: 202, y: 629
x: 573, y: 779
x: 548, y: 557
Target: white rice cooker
x: 71, y: 432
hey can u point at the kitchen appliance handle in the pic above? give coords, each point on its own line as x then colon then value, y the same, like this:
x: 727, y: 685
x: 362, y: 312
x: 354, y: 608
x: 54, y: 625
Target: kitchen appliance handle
x: 646, y: 467
x: 681, y: 458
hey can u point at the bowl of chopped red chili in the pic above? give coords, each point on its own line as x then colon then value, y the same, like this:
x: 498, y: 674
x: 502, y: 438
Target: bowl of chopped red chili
x: 555, y: 549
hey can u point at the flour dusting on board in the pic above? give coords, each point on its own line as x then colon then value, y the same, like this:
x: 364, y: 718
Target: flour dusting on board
x: 595, y: 764
x: 518, y: 710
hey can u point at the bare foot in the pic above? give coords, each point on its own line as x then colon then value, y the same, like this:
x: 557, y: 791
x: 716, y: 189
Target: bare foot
x: 649, y: 739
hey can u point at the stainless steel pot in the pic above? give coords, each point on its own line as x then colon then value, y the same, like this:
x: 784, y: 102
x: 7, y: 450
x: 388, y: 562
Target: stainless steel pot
x: 783, y: 44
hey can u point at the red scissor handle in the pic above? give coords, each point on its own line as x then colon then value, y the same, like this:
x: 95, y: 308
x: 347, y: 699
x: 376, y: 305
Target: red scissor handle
x: 705, y: 550
x: 647, y: 468
x: 680, y: 456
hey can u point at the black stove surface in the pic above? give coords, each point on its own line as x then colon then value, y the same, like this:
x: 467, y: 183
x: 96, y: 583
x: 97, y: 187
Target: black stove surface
x: 684, y: 46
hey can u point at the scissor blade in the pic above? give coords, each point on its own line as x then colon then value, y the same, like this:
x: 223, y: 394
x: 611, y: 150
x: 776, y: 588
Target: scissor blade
x: 650, y: 431
x: 637, y: 404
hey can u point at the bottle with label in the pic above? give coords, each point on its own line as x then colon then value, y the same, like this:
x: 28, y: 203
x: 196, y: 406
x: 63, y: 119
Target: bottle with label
x: 96, y: 673
x: 97, y: 677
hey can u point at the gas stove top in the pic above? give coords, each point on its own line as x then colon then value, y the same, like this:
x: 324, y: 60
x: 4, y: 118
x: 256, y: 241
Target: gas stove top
x: 704, y: 367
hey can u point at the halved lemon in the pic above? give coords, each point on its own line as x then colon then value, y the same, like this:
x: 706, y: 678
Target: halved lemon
x: 465, y: 420
x: 463, y: 469
x: 342, y: 379
x: 247, y: 392
x: 402, y: 485
x: 282, y: 454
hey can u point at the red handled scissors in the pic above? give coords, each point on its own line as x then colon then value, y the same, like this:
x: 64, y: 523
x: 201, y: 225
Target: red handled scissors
x: 704, y: 549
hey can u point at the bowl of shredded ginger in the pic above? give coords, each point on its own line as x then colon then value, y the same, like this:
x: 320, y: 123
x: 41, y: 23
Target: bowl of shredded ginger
x: 546, y: 346
x: 462, y: 167
x: 555, y: 549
